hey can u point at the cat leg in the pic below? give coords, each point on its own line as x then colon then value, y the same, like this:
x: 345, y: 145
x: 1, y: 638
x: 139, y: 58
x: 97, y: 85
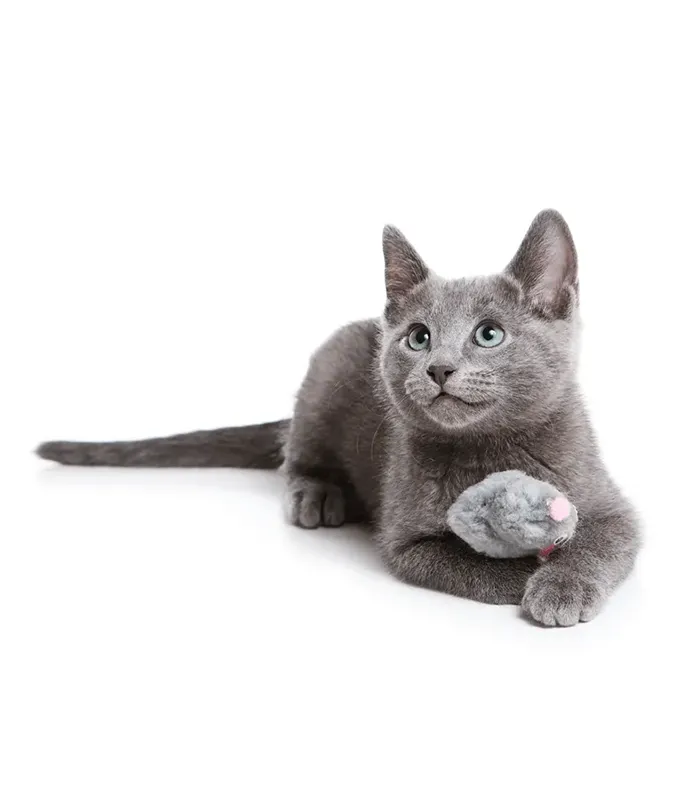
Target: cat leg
x: 318, y: 489
x: 445, y: 564
x: 510, y: 514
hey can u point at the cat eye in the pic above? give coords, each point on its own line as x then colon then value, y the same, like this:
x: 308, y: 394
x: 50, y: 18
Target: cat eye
x: 488, y: 334
x: 418, y: 338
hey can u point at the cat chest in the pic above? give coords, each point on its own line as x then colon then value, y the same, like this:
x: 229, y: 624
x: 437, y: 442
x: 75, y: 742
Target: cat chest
x: 437, y: 492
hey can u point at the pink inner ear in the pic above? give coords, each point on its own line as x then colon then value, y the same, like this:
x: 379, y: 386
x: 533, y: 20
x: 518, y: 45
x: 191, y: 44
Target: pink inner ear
x: 559, y: 509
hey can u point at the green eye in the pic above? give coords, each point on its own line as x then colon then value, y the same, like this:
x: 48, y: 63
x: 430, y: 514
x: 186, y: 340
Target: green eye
x: 419, y: 337
x: 488, y: 335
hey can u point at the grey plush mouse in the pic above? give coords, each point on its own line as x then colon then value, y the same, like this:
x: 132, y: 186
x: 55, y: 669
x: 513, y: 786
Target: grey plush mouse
x: 510, y: 514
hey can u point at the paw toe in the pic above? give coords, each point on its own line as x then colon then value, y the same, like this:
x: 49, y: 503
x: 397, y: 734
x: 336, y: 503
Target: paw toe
x: 593, y: 600
x: 334, y: 508
x: 567, y: 612
x: 307, y: 509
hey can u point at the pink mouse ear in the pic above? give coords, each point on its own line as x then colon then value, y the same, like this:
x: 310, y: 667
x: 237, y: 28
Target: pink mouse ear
x: 559, y: 509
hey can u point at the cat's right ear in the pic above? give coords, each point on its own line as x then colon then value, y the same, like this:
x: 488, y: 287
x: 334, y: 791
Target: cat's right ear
x: 404, y: 269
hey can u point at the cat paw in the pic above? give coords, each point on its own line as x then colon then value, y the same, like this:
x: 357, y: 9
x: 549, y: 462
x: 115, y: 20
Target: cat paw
x: 311, y: 503
x: 509, y: 514
x: 557, y: 596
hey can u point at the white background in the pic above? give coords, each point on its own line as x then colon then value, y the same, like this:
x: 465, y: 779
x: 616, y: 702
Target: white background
x: 192, y: 196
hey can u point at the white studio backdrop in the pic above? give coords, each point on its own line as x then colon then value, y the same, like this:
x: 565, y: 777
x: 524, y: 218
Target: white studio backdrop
x: 191, y: 200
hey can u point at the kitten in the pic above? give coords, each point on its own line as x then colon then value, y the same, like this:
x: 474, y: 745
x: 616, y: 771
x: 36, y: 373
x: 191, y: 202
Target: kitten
x: 397, y: 416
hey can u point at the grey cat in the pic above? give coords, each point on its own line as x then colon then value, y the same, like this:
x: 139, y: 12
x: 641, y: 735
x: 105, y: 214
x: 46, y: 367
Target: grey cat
x: 398, y: 416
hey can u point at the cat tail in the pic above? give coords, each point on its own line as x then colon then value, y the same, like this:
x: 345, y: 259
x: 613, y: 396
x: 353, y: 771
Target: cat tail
x: 256, y: 446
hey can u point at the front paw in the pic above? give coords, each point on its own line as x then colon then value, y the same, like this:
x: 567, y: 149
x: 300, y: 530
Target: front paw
x: 311, y: 503
x: 557, y: 596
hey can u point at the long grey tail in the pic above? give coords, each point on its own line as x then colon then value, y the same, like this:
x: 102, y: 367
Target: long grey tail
x: 256, y: 446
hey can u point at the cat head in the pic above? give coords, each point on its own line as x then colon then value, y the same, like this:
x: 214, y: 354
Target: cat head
x: 482, y: 354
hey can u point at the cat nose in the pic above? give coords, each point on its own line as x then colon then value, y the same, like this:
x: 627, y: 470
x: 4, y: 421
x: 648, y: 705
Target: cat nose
x: 440, y: 373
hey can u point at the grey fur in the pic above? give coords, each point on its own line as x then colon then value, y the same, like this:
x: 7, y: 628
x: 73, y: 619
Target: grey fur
x: 374, y: 438
x: 507, y: 515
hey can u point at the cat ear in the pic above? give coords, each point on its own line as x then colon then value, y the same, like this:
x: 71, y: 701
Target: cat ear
x: 546, y: 265
x: 404, y: 268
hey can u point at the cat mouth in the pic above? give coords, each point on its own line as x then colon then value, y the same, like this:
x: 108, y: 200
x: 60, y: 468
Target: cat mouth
x: 453, y: 398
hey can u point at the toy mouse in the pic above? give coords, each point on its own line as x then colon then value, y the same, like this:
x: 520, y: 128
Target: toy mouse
x: 509, y: 514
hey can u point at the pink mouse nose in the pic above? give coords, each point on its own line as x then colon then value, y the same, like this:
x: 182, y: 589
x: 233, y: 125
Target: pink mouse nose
x: 559, y: 509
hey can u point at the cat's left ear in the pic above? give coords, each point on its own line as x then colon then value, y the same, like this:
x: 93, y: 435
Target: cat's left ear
x: 546, y: 265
